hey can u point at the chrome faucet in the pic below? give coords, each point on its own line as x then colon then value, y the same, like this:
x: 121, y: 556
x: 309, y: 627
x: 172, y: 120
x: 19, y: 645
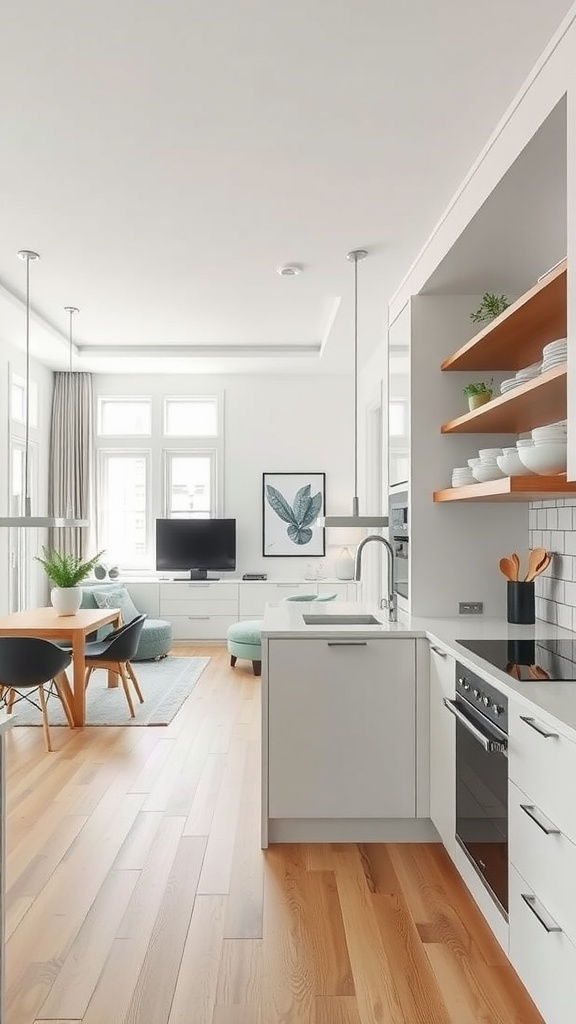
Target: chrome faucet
x: 390, y: 602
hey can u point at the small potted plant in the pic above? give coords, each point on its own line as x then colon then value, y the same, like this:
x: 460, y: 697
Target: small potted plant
x: 478, y: 393
x: 66, y: 572
x: 490, y: 307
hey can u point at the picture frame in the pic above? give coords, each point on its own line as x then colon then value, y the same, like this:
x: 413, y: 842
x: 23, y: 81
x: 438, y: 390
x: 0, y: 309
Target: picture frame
x: 291, y: 506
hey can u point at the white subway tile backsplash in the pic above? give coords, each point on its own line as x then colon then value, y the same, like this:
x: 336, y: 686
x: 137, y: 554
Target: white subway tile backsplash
x: 552, y: 525
x: 564, y: 518
x: 564, y: 615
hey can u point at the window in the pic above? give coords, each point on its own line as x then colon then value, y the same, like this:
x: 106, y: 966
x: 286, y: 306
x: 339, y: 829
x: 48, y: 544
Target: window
x: 18, y: 401
x: 191, y: 484
x: 122, y: 513
x: 191, y: 417
x: 397, y: 418
x: 124, y: 417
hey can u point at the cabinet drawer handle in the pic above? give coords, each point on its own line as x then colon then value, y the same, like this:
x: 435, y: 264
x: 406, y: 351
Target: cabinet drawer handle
x: 540, y: 729
x: 540, y: 819
x: 347, y: 643
x: 438, y: 650
x: 293, y: 586
x: 540, y: 912
x: 198, y: 616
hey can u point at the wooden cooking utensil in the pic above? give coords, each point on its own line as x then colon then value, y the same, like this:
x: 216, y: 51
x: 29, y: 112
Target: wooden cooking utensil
x: 507, y: 568
x: 539, y: 568
x: 534, y: 559
x: 516, y: 561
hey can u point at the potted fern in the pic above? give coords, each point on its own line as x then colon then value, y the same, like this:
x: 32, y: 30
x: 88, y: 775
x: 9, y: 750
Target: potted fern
x: 66, y: 572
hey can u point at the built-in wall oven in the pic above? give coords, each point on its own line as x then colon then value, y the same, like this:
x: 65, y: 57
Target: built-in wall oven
x: 399, y: 534
x: 481, y: 713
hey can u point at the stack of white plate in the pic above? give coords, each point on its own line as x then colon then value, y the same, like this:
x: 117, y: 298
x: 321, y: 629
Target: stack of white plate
x: 546, y: 454
x: 488, y: 468
x: 462, y: 475
x: 520, y: 377
x: 554, y: 354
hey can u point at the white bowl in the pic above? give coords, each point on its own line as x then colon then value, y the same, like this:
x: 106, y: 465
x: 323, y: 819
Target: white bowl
x: 489, y: 453
x: 511, y: 464
x: 484, y: 473
x: 525, y: 442
x: 474, y: 462
x: 545, y: 459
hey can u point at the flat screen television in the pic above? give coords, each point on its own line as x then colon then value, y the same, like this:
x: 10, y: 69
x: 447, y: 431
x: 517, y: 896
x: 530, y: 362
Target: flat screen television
x: 197, y: 546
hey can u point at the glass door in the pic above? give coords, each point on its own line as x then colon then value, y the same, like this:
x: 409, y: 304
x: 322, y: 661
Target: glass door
x: 20, y: 543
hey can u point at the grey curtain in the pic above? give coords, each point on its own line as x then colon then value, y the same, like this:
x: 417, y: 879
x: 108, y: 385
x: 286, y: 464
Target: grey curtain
x: 71, y: 459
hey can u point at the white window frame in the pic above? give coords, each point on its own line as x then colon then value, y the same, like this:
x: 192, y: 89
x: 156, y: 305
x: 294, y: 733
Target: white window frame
x: 215, y: 488
x: 194, y: 398
x: 127, y: 399
x: 16, y: 379
x: 118, y: 452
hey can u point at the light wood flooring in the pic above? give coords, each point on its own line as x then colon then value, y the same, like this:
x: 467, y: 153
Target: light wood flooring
x: 137, y: 892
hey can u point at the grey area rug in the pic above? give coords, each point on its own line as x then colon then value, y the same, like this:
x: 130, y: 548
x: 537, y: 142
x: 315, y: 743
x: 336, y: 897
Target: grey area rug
x: 165, y: 686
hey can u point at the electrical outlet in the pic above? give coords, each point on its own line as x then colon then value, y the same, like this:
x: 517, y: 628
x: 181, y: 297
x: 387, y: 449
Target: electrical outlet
x: 470, y: 608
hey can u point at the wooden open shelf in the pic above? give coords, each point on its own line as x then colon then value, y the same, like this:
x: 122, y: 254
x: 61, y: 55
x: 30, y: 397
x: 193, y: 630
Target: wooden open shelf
x: 533, y: 404
x: 515, y: 339
x: 510, y: 488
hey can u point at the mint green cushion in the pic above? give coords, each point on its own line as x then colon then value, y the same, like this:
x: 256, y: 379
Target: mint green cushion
x: 247, y: 632
x: 117, y: 597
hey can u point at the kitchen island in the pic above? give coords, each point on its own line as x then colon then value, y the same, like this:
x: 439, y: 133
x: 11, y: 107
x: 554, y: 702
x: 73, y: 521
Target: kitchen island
x: 346, y: 717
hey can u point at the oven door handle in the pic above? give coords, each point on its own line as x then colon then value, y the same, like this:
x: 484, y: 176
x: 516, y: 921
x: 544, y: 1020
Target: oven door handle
x: 490, y: 744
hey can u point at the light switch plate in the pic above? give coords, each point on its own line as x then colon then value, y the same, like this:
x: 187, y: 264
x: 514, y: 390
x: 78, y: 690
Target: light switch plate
x: 470, y: 607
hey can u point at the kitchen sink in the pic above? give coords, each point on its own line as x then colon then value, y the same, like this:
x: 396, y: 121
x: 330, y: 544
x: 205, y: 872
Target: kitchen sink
x: 341, y: 620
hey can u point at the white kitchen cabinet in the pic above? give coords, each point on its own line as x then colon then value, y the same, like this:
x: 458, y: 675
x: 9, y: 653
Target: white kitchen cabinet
x: 442, y: 747
x: 341, y: 728
x: 542, y: 855
x: 541, y: 952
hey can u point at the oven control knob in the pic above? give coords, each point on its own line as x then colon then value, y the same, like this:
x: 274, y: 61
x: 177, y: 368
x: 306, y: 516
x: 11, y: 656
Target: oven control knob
x: 497, y: 709
x: 463, y: 682
x: 486, y: 701
x: 477, y: 694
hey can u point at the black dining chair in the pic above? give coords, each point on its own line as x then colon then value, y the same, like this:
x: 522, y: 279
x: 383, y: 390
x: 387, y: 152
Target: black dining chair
x: 114, y: 654
x: 29, y: 663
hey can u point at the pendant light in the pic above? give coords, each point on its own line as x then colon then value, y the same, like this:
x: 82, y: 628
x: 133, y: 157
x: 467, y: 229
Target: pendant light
x: 28, y: 520
x: 355, y: 519
x: 70, y: 310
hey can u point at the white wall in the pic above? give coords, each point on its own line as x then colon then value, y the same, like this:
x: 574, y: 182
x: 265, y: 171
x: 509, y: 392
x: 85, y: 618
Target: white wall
x: 12, y: 360
x: 272, y: 424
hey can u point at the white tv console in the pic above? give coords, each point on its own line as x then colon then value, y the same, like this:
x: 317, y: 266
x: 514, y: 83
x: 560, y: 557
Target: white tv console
x: 203, y: 609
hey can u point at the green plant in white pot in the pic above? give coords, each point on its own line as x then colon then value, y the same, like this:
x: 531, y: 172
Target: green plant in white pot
x: 478, y: 393
x: 66, y: 572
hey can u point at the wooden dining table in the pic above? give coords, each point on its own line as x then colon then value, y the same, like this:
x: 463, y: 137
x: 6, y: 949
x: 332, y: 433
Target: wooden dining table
x: 45, y: 623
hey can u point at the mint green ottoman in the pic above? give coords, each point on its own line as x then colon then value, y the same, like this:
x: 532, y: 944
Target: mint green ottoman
x: 244, y: 640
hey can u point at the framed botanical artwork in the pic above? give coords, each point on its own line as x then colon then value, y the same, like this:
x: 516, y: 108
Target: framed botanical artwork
x: 291, y: 506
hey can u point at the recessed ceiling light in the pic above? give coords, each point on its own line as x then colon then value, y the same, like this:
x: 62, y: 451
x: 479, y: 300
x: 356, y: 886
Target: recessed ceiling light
x: 289, y: 270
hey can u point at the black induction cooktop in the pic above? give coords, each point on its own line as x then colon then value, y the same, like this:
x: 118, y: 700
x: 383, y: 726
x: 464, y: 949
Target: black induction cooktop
x: 528, y: 660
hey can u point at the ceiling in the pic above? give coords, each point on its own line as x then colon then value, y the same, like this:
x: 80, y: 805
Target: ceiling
x: 165, y: 157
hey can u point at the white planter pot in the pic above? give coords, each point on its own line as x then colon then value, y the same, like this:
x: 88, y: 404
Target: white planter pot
x: 344, y: 565
x: 66, y: 600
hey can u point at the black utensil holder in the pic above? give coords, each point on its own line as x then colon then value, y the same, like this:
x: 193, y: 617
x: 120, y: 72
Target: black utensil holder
x: 521, y: 605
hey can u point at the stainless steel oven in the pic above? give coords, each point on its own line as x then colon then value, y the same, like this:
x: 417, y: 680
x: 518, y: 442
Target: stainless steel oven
x: 399, y: 534
x: 481, y: 714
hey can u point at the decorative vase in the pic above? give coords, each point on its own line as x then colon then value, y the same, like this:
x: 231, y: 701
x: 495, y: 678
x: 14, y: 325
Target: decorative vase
x: 114, y: 572
x: 475, y: 401
x: 66, y: 600
x: 344, y: 566
x: 100, y: 572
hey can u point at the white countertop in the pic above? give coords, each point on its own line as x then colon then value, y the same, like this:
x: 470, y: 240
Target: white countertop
x: 555, y: 699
